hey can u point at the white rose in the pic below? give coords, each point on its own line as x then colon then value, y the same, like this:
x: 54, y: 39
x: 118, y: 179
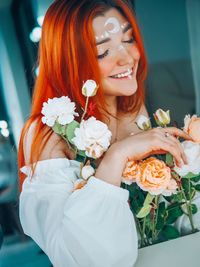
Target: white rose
x: 192, y: 151
x: 60, y: 109
x: 94, y: 151
x: 143, y: 123
x: 87, y: 171
x: 162, y: 117
x: 93, y: 136
x: 89, y: 88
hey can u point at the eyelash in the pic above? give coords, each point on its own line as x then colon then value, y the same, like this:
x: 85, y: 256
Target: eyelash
x: 130, y: 41
x: 103, y: 55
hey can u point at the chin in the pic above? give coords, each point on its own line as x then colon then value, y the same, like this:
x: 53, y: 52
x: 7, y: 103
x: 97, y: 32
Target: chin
x: 122, y: 89
x: 130, y: 91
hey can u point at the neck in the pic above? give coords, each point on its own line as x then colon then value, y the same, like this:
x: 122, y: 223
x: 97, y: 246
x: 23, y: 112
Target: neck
x: 111, y: 105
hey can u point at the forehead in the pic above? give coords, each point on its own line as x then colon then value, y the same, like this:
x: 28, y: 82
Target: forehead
x: 110, y: 18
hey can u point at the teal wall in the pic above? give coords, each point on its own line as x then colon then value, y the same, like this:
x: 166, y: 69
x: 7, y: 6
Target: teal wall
x: 163, y: 24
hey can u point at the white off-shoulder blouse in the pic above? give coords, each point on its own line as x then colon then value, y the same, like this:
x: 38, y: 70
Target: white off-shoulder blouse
x: 90, y: 227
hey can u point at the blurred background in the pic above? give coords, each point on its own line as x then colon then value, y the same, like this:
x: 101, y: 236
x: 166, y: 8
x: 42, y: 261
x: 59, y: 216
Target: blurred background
x: 171, y: 34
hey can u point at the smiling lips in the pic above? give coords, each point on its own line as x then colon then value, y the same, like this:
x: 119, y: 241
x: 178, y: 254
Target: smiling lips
x: 126, y: 74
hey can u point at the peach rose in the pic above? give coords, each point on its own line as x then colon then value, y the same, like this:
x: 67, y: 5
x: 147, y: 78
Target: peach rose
x: 192, y: 127
x: 171, y: 188
x: 131, y: 172
x: 155, y: 176
x: 80, y: 183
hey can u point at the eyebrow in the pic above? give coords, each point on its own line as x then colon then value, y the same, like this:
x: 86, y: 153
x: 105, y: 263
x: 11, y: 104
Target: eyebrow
x: 128, y: 26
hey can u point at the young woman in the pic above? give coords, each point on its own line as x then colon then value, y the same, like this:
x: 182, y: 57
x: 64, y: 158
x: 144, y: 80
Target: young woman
x: 93, y: 226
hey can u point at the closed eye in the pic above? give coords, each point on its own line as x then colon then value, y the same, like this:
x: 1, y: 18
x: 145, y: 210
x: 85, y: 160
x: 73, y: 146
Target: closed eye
x: 130, y: 41
x: 103, y: 55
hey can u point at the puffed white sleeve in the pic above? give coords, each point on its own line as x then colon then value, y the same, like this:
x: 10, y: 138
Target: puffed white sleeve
x: 90, y: 227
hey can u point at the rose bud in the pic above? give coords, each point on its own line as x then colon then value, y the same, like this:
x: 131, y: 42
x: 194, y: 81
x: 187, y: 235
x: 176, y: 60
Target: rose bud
x: 143, y: 123
x: 89, y: 88
x: 87, y: 171
x: 162, y: 117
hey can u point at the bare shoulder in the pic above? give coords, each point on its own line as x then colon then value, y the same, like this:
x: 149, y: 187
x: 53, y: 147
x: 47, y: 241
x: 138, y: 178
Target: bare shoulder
x: 55, y: 147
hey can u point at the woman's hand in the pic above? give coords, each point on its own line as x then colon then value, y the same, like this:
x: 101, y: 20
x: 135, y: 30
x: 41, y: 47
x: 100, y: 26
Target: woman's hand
x: 138, y: 147
x: 154, y: 141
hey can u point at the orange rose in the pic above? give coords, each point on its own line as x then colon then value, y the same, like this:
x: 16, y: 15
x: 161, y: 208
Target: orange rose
x: 131, y: 172
x: 80, y: 183
x: 192, y: 127
x: 155, y: 176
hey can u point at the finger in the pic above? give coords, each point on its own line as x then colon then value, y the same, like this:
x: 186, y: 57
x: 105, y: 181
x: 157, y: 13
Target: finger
x: 179, y: 146
x: 172, y: 148
x: 177, y: 132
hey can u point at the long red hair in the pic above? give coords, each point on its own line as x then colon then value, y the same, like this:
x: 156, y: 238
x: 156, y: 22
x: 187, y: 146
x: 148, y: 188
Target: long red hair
x: 67, y: 57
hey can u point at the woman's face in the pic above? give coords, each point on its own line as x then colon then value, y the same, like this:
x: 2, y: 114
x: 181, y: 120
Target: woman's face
x: 118, y: 54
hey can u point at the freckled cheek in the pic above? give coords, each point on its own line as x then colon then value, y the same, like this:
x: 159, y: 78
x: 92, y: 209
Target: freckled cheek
x: 105, y: 69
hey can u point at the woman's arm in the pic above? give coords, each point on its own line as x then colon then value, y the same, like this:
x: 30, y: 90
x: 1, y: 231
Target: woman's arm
x: 89, y: 227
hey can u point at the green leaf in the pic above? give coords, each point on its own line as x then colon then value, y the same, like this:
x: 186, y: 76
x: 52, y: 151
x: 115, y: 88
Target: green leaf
x: 161, y: 216
x: 194, y: 208
x: 173, y: 214
x: 169, y: 232
x: 190, y: 175
x: 169, y: 160
x: 144, y: 211
x: 195, y: 179
x: 174, y: 197
x: 81, y: 153
x: 71, y: 129
x: 197, y: 187
x: 160, y: 223
x: 161, y: 208
x: 149, y: 198
x: 58, y: 128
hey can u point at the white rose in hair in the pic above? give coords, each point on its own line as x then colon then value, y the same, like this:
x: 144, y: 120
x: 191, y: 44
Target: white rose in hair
x: 60, y: 109
x: 89, y: 88
x: 92, y: 136
x: 192, y: 151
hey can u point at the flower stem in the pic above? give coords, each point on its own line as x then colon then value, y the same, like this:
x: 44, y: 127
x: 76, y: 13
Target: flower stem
x: 85, y: 109
x: 67, y: 141
x: 189, y: 207
x: 155, y: 217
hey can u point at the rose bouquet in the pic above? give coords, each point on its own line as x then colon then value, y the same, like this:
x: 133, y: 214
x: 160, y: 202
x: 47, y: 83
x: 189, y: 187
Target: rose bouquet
x: 164, y: 198
x: 88, y: 139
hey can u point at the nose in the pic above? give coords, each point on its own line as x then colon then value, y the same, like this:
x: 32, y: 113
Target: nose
x: 124, y: 56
